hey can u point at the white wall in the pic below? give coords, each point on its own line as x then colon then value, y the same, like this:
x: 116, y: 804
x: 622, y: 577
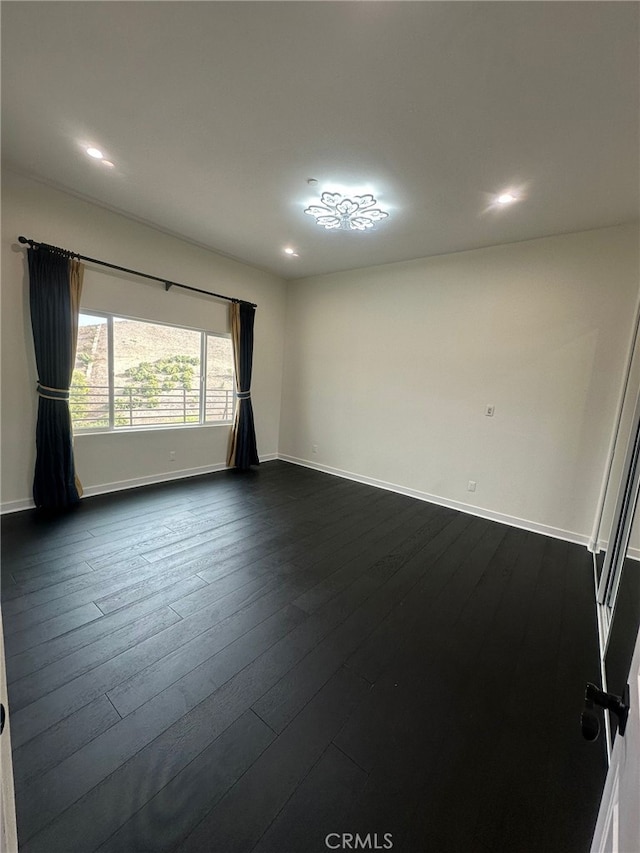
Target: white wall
x: 388, y: 371
x: 117, y: 459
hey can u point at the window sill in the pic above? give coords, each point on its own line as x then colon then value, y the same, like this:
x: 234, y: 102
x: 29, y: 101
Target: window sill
x: 144, y: 429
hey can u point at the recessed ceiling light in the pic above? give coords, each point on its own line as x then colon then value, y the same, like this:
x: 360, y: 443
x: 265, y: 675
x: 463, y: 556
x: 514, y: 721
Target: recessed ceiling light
x: 506, y: 198
x: 95, y: 152
x: 289, y: 251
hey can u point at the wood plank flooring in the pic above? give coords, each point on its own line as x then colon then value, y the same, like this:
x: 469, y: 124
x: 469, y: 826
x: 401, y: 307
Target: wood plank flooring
x: 240, y: 663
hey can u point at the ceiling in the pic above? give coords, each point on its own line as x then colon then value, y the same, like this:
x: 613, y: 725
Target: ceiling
x: 215, y: 114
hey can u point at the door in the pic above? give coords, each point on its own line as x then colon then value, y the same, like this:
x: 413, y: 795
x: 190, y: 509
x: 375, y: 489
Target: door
x: 623, y: 531
x: 8, y: 836
x: 614, y: 527
x: 618, y: 827
x: 618, y: 607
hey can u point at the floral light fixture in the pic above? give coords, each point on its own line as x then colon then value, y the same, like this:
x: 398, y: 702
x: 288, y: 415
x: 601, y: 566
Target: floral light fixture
x: 349, y: 214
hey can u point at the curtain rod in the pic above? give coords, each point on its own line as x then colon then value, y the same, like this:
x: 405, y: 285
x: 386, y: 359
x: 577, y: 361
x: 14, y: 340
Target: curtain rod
x: 167, y: 284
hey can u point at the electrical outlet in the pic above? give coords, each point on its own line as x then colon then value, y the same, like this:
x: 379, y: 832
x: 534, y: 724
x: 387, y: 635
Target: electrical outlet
x: 314, y: 448
x: 471, y: 487
x: 489, y: 410
x: 172, y: 456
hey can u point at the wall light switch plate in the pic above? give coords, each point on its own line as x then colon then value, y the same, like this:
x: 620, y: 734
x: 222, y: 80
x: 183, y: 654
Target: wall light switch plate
x: 489, y: 410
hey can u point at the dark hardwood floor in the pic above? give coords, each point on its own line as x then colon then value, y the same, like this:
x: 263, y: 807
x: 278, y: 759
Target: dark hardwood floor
x: 240, y: 663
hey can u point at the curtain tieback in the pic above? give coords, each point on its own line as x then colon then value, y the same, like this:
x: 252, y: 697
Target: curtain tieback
x: 53, y: 393
x: 243, y: 395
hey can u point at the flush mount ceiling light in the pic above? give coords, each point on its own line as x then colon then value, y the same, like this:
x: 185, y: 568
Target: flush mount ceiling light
x: 336, y: 210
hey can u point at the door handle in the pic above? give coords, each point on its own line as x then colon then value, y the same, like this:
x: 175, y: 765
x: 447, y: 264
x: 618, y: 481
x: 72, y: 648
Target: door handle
x: 618, y: 705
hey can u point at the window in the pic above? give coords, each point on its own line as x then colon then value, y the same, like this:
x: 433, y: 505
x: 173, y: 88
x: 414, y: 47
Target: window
x: 135, y: 374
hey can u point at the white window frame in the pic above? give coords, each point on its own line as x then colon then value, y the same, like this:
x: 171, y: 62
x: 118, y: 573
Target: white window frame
x: 205, y: 334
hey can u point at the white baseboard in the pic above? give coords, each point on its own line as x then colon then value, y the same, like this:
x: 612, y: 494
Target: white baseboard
x: 632, y: 553
x: 16, y: 506
x: 512, y: 521
x: 153, y: 479
x: 136, y: 482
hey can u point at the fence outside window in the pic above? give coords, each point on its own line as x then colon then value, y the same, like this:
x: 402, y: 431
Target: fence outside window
x: 143, y: 406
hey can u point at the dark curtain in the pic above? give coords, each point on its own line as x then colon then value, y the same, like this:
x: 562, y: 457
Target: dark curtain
x: 55, y: 282
x: 243, y: 451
